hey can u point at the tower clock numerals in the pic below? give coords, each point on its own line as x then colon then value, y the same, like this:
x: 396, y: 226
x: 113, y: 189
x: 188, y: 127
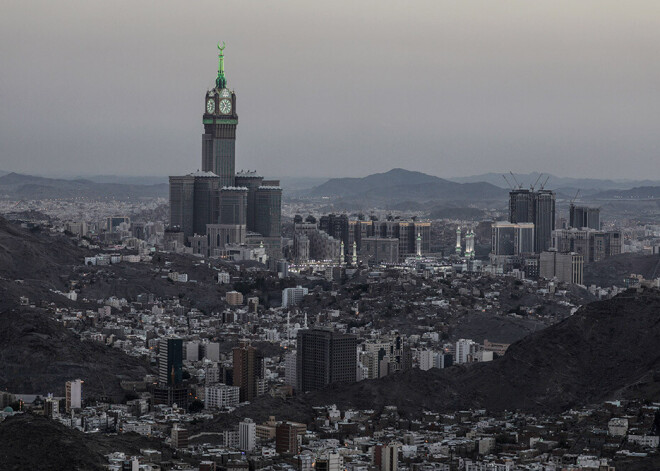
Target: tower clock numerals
x: 210, y: 106
x: 225, y: 106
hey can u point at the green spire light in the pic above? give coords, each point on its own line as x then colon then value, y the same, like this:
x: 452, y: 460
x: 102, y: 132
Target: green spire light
x: 221, y: 81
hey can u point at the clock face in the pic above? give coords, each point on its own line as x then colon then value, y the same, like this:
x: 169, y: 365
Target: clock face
x: 225, y: 106
x: 210, y: 106
x: 225, y: 93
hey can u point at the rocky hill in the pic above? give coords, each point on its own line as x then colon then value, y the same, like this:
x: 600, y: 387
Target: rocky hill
x: 34, y: 442
x: 38, y: 355
x: 612, y: 271
x: 403, y: 185
x: 608, y: 349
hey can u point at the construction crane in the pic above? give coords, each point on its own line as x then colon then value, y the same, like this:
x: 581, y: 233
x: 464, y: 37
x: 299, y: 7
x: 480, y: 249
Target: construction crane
x: 575, y: 197
x: 545, y: 181
x: 507, y: 181
x: 519, y: 185
x: 537, y: 180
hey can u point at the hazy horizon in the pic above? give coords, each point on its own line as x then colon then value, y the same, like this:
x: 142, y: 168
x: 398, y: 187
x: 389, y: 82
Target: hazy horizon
x: 334, y: 90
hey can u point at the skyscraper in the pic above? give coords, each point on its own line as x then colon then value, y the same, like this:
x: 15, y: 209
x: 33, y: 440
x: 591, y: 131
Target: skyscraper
x: 220, y: 121
x: 325, y: 357
x: 537, y: 207
x: 215, y: 201
x: 170, y: 362
x: 584, y: 216
x: 248, y: 370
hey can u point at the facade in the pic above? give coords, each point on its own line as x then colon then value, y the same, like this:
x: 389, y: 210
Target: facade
x: 221, y: 395
x: 248, y: 371
x: 170, y: 362
x: 247, y: 435
x: 350, y: 231
x: 512, y: 238
x: 286, y: 438
x: 268, y: 211
x: 379, y: 250
x: 73, y: 395
x: 566, y: 267
x: 324, y: 357
x: 593, y: 245
x: 233, y: 205
x: 293, y: 296
x: 584, y: 217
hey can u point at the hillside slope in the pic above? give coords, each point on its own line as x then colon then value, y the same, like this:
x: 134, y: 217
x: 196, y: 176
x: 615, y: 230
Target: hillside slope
x: 608, y: 349
x: 38, y: 355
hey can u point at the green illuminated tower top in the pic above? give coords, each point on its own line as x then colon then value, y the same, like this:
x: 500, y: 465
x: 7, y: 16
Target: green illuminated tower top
x: 221, y: 81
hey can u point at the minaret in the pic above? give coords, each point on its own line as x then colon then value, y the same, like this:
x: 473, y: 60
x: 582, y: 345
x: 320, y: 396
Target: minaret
x: 458, y: 240
x: 354, y: 253
x: 418, y: 245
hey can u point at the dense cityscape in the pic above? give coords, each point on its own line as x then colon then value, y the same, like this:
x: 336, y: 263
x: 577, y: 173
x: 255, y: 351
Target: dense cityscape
x: 393, y: 322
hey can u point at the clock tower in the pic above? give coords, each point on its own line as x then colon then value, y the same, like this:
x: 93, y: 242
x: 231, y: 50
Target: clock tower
x: 220, y: 121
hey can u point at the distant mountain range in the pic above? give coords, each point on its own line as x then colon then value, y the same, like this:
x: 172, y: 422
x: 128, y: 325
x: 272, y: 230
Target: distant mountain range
x: 588, y: 185
x: 637, y: 193
x: 405, y: 185
x: 19, y: 186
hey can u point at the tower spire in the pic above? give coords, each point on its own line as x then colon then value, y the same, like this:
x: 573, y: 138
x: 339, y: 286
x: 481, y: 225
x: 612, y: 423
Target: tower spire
x: 221, y: 81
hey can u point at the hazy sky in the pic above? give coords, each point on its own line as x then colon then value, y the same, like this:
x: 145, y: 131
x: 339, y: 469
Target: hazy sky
x: 334, y: 88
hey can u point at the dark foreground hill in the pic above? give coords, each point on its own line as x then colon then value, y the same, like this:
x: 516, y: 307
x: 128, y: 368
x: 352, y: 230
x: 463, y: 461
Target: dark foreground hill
x: 34, y: 442
x: 611, y: 271
x: 608, y: 349
x: 38, y: 356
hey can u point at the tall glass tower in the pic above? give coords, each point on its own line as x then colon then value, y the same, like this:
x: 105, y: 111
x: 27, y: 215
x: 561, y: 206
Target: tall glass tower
x: 220, y: 121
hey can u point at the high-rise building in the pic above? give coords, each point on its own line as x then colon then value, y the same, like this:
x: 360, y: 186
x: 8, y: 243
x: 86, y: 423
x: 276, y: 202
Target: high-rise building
x: 170, y: 362
x: 512, y: 238
x: 250, y: 180
x: 73, y: 395
x: 593, y: 245
x: 538, y: 208
x: 247, y: 435
x: 220, y: 121
x: 566, y: 267
x: 248, y: 370
x: 193, y: 202
x: 325, y: 357
x: 386, y: 457
x: 584, y: 217
x: 268, y: 211
x: 221, y: 395
x: 286, y: 438
x: 179, y: 437
x: 216, y: 201
x: 293, y: 296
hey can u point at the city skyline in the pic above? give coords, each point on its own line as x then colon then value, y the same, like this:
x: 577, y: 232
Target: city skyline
x: 530, y: 87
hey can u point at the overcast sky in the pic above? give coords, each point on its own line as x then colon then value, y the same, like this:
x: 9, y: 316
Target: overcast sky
x: 334, y: 88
